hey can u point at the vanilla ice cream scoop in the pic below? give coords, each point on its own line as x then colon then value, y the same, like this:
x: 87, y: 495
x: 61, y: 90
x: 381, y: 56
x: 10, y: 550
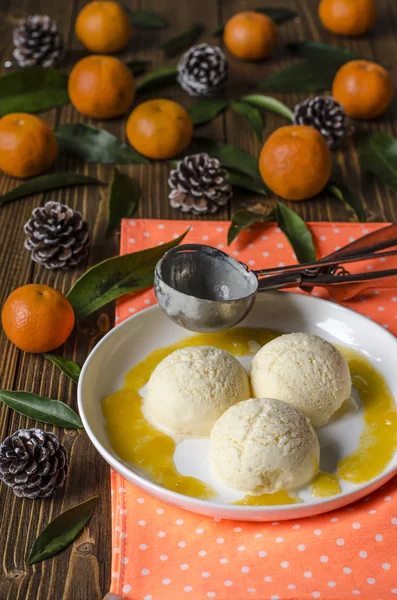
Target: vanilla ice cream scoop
x: 264, y: 445
x: 304, y: 370
x: 192, y: 387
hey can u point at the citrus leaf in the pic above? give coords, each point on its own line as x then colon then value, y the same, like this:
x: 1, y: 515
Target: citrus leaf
x: 304, y: 77
x: 145, y: 19
x: 43, y: 183
x: 137, y: 67
x: 247, y: 183
x: 124, y: 194
x: 279, y: 15
x: 183, y: 41
x: 342, y: 193
x: 203, y: 111
x: 230, y: 156
x: 95, y: 145
x: 252, y: 115
x: 41, y: 409
x: 67, y: 366
x: 244, y: 218
x: 115, y: 277
x: 269, y: 103
x: 323, y: 53
x: 295, y: 229
x: 378, y: 155
x: 33, y: 90
x: 61, y: 531
x: 163, y: 76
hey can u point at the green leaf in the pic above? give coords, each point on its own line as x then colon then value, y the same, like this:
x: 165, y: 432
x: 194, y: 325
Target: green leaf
x: 61, y: 531
x: 124, y: 194
x: 115, y: 277
x: 252, y: 115
x: 244, y: 218
x: 95, y: 145
x: 342, y: 193
x: 33, y: 90
x: 137, y: 67
x: 67, y: 366
x: 378, y: 155
x: 203, y: 111
x: 279, y: 15
x: 301, y: 78
x: 230, y: 156
x: 145, y: 19
x: 160, y: 77
x: 247, y: 183
x: 269, y: 103
x: 183, y: 41
x: 43, y: 183
x: 295, y: 229
x: 41, y: 409
x: 323, y: 53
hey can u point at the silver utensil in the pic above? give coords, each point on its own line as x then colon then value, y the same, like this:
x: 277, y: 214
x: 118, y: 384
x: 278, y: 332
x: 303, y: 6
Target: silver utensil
x: 204, y: 289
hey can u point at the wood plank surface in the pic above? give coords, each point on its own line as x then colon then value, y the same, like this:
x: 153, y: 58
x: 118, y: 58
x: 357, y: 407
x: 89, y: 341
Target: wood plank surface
x: 82, y: 572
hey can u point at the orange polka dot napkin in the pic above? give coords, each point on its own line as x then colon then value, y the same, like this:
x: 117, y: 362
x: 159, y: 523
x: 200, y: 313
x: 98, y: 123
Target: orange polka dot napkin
x: 163, y: 553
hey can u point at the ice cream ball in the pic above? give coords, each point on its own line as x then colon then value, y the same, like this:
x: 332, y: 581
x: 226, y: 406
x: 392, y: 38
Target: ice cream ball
x: 190, y: 389
x: 304, y: 370
x: 263, y: 445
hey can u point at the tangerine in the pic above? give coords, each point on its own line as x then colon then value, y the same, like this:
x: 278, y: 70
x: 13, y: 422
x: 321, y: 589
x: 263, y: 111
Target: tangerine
x: 37, y: 318
x: 347, y: 17
x: 364, y: 88
x: 28, y: 145
x: 159, y: 128
x: 295, y: 162
x: 101, y: 87
x: 250, y: 35
x: 103, y: 27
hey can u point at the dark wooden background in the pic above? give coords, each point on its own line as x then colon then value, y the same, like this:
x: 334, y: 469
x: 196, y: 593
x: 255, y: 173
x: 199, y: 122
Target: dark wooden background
x: 82, y: 572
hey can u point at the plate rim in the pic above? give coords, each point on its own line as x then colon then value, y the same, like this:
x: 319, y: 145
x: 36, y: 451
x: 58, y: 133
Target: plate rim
x: 175, y: 498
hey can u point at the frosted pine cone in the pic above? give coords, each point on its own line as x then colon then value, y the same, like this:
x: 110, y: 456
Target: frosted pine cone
x: 199, y: 185
x: 324, y: 114
x: 37, y: 42
x: 33, y: 463
x: 202, y: 70
x: 57, y: 236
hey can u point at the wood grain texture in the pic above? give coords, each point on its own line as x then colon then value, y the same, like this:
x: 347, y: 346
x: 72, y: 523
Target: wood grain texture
x: 82, y: 572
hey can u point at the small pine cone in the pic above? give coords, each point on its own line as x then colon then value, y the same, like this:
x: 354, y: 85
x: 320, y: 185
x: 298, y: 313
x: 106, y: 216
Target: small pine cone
x: 33, y: 463
x: 324, y: 114
x: 199, y: 185
x: 37, y: 42
x: 57, y: 236
x: 202, y: 70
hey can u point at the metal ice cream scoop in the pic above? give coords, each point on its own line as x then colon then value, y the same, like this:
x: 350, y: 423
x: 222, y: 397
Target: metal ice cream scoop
x: 204, y: 289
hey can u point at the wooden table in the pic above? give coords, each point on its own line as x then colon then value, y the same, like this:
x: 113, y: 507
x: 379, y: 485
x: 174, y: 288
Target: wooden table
x: 82, y: 572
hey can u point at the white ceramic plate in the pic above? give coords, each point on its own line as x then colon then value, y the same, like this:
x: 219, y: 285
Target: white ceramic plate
x: 132, y: 340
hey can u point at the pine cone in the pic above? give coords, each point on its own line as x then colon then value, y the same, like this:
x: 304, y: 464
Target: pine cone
x: 58, y: 236
x: 325, y: 114
x: 37, y: 42
x: 199, y: 185
x: 33, y: 463
x: 202, y: 70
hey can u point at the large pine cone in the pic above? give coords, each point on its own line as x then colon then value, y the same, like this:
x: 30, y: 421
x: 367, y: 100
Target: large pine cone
x: 58, y: 236
x: 199, y: 185
x: 202, y: 70
x: 324, y: 114
x: 37, y: 42
x: 33, y: 463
